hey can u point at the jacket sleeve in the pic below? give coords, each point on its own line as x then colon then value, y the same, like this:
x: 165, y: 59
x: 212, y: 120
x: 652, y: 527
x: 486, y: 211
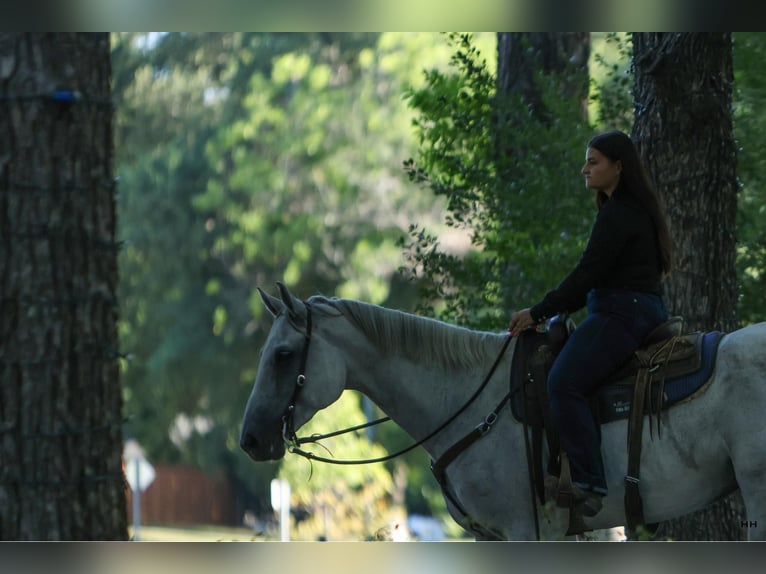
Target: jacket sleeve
x: 608, y: 236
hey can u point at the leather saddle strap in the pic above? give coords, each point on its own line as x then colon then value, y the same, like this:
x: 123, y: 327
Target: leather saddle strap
x: 634, y: 511
x: 543, y: 363
x: 538, y: 373
x: 662, y: 367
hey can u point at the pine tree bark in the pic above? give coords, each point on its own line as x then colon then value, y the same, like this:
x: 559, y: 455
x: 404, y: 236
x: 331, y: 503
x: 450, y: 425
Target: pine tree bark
x: 683, y: 127
x: 60, y: 400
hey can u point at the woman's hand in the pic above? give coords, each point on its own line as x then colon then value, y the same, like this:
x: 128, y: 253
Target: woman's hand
x: 520, y: 320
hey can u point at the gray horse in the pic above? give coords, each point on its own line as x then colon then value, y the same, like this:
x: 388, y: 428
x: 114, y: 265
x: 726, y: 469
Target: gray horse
x: 420, y: 371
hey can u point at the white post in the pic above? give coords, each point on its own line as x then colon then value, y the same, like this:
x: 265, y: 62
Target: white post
x: 284, y: 512
x: 280, y: 502
x: 139, y: 474
x: 137, y: 504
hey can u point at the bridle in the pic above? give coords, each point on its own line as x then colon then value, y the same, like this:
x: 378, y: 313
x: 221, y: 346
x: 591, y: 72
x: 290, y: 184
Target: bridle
x: 288, y: 424
x: 293, y: 442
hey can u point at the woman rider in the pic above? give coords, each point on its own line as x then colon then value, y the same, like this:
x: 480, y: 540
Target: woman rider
x: 619, y: 278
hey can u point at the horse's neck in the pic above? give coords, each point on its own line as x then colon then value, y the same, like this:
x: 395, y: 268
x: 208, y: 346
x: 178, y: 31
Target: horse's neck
x: 396, y: 384
x: 415, y: 398
x: 421, y: 393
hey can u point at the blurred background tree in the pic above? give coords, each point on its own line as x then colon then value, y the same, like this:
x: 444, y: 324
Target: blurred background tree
x: 245, y: 159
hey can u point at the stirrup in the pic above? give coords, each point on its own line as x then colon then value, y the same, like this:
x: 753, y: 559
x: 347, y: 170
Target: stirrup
x: 566, y: 495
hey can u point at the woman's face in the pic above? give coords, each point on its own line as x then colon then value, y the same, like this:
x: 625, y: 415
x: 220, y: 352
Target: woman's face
x: 601, y: 173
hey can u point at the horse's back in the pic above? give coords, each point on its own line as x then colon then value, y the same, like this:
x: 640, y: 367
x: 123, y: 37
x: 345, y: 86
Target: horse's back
x: 741, y: 381
x: 740, y: 373
x: 746, y: 344
x: 740, y: 384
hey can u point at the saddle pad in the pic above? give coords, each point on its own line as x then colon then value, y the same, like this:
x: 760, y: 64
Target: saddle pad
x: 612, y: 402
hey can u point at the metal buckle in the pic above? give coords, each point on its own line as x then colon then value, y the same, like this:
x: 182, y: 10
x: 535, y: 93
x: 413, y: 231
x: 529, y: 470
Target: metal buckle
x: 300, y: 380
x: 486, y: 425
x: 631, y: 479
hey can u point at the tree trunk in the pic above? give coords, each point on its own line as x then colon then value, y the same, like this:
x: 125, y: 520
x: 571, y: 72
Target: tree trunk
x: 60, y: 400
x: 522, y: 55
x: 683, y: 127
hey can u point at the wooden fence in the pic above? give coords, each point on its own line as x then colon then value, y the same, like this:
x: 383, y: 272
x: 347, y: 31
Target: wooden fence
x: 187, y: 495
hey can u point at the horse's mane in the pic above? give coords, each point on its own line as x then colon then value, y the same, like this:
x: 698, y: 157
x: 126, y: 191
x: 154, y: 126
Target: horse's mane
x: 397, y: 333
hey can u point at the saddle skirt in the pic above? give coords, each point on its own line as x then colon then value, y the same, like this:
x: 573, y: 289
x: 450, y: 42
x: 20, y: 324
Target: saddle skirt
x: 679, y: 366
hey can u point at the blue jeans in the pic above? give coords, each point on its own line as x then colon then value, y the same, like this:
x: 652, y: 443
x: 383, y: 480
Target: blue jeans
x: 617, y: 323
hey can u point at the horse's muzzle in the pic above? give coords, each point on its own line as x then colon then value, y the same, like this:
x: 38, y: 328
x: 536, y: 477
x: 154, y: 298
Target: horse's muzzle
x: 260, y: 450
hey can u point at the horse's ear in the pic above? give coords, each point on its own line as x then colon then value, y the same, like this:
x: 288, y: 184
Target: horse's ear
x: 295, y: 306
x: 274, y: 305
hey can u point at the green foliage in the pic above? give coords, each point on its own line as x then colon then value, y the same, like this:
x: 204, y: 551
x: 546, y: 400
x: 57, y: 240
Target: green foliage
x: 155, y: 288
x: 342, y: 502
x: 513, y: 192
x: 749, y: 125
x: 611, y: 81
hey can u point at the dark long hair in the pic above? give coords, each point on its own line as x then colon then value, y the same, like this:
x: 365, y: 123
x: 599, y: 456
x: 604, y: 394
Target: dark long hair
x: 635, y: 181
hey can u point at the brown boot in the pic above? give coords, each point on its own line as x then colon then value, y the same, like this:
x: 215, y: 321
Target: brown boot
x: 588, y: 503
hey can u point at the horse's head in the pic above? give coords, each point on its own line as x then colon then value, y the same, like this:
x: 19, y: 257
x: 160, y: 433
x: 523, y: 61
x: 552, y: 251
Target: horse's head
x: 299, y: 374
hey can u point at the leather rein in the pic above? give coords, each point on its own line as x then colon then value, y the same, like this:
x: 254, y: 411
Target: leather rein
x: 293, y: 442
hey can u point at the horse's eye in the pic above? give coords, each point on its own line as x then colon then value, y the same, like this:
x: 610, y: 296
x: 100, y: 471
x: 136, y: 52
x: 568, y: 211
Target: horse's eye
x: 283, y: 354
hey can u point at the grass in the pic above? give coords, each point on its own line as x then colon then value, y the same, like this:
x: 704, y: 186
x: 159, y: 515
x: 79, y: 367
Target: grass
x: 202, y: 533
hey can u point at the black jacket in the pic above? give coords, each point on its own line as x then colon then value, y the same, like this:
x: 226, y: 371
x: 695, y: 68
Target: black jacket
x: 622, y: 253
